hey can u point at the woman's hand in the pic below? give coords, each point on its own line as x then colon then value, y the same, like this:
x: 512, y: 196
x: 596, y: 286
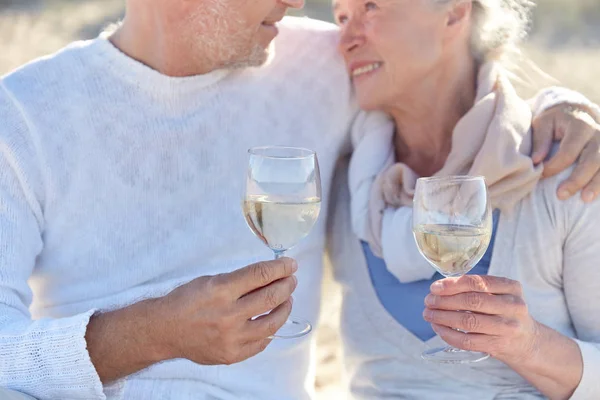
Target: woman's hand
x: 579, y: 136
x: 497, y: 323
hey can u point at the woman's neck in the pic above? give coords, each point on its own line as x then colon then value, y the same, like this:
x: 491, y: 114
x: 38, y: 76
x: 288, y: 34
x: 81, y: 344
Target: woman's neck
x: 426, y: 115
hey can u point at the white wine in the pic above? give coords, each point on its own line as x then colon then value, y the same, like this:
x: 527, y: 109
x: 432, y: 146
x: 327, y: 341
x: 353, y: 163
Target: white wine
x: 281, y: 225
x: 452, y: 249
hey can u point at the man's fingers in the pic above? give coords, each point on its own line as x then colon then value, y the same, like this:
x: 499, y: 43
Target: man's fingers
x: 543, y: 135
x: 576, y: 138
x: 592, y: 157
x: 585, y: 170
x: 267, y: 298
x: 591, y: 191
x: 476, y: 283
x: 255, y: 276
x: 267, y: 325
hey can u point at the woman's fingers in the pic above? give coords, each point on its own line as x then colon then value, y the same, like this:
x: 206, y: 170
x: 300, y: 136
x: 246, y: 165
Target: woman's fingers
x: 465, y: 341
x: 505, y: 304
x: 476, y: 283
x: 472, y: 322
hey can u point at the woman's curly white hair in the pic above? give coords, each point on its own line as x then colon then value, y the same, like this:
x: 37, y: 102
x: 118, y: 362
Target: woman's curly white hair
x: 498, y: 26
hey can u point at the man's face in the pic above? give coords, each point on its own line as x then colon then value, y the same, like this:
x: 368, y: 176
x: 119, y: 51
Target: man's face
x: 230, y: 33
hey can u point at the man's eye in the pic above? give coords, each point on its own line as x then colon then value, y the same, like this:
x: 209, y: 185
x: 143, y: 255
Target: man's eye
x: 370, y: 6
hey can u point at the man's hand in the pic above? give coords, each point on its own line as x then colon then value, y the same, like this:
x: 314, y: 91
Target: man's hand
x: 209, y: 320
x: 579, y: 136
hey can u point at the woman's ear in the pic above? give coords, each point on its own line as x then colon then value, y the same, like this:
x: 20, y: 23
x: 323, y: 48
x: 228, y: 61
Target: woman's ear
x: 459, y: 13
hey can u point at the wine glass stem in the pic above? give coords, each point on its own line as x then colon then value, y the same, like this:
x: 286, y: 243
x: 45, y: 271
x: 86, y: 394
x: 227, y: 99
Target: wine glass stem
x: 279, y: 254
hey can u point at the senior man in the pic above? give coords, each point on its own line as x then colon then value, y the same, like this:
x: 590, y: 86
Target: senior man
x: 121, y: 237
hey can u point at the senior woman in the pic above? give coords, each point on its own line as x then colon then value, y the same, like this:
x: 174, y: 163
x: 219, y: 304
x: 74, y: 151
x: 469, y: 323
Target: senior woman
x: 435, y: 67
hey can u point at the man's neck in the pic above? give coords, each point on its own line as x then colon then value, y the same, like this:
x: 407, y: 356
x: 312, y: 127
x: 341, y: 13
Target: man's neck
x: 153, y: 48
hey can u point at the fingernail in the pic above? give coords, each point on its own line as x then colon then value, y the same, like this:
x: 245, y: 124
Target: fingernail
x: 291, y: 300
x: 437, y: 286
x: 588, y: 196
x: 564, y: 194
x: 295, y: 280
x: 427, y: 314
x: 294, y: 265
x: 430, y: 300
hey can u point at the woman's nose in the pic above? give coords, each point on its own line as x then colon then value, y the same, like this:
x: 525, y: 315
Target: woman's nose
x: 351, y: 37
x: 293, y: 3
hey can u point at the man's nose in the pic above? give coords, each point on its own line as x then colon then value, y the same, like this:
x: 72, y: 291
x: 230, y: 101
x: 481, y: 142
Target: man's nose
x: 293, y: 3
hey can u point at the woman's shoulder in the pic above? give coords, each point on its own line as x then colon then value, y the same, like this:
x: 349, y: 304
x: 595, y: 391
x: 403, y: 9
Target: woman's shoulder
x: 567, y: 213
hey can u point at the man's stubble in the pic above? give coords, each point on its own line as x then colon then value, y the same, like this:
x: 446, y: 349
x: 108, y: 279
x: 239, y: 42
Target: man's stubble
x: 222, y: 41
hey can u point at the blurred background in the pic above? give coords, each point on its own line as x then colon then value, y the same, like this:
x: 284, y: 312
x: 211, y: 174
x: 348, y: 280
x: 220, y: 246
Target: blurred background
x: 565, y: 39
x: 564, y: 43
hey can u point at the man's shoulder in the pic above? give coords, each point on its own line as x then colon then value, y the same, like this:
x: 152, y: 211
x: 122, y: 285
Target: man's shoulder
x: 40, y: 76
x: 308, y: 25
x: 309, y: 47
x: 309, y: 34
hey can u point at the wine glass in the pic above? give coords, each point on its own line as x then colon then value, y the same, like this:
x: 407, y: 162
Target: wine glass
x: 452, y: 225
x: 281, y: 205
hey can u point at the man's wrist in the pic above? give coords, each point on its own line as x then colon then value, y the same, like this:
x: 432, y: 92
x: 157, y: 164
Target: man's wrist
x: 155, y: 325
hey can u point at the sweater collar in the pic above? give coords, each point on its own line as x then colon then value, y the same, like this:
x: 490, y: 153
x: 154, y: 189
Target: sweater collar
x: 149, y: 79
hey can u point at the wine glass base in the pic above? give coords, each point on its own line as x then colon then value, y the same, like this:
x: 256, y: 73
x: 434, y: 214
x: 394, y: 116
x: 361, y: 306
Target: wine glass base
x: 292, y: 329
x: 451, y: 355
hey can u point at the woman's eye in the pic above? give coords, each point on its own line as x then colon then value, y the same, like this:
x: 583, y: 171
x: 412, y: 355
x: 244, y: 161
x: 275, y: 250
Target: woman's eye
x: 370, y: 6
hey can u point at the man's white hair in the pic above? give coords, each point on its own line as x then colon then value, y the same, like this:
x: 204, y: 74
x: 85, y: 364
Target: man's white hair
x: 498, y: 26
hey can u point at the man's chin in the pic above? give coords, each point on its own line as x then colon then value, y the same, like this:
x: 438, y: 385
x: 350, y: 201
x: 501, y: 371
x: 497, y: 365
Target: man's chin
x: 258, y: 57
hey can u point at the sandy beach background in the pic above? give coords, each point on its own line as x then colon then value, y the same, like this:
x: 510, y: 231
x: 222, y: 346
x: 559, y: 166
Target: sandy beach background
x: 565, y: 43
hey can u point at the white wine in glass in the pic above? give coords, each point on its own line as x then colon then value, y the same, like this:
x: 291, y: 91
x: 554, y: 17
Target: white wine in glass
x: 452, y: 224
x: 281, y: 205
x: 452, y: 249
x: 280, y: 225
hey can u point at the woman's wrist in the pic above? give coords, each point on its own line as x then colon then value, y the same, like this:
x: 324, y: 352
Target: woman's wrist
x: 526, y: 349
x: 549, y: 360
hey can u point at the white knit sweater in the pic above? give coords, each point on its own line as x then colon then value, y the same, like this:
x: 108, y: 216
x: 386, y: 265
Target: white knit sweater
x: 118, y: 184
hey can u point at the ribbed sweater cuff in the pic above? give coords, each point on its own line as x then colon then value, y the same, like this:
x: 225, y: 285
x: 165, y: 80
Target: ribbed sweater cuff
x: 49, y: 359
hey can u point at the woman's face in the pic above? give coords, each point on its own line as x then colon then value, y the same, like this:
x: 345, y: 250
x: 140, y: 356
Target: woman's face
x: 389, y: 46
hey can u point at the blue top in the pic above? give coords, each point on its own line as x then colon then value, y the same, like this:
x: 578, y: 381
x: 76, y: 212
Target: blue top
x: 404, y: 301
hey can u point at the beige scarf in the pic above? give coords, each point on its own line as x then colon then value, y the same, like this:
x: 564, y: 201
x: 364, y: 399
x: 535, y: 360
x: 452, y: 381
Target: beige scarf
x: 492, y: 140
